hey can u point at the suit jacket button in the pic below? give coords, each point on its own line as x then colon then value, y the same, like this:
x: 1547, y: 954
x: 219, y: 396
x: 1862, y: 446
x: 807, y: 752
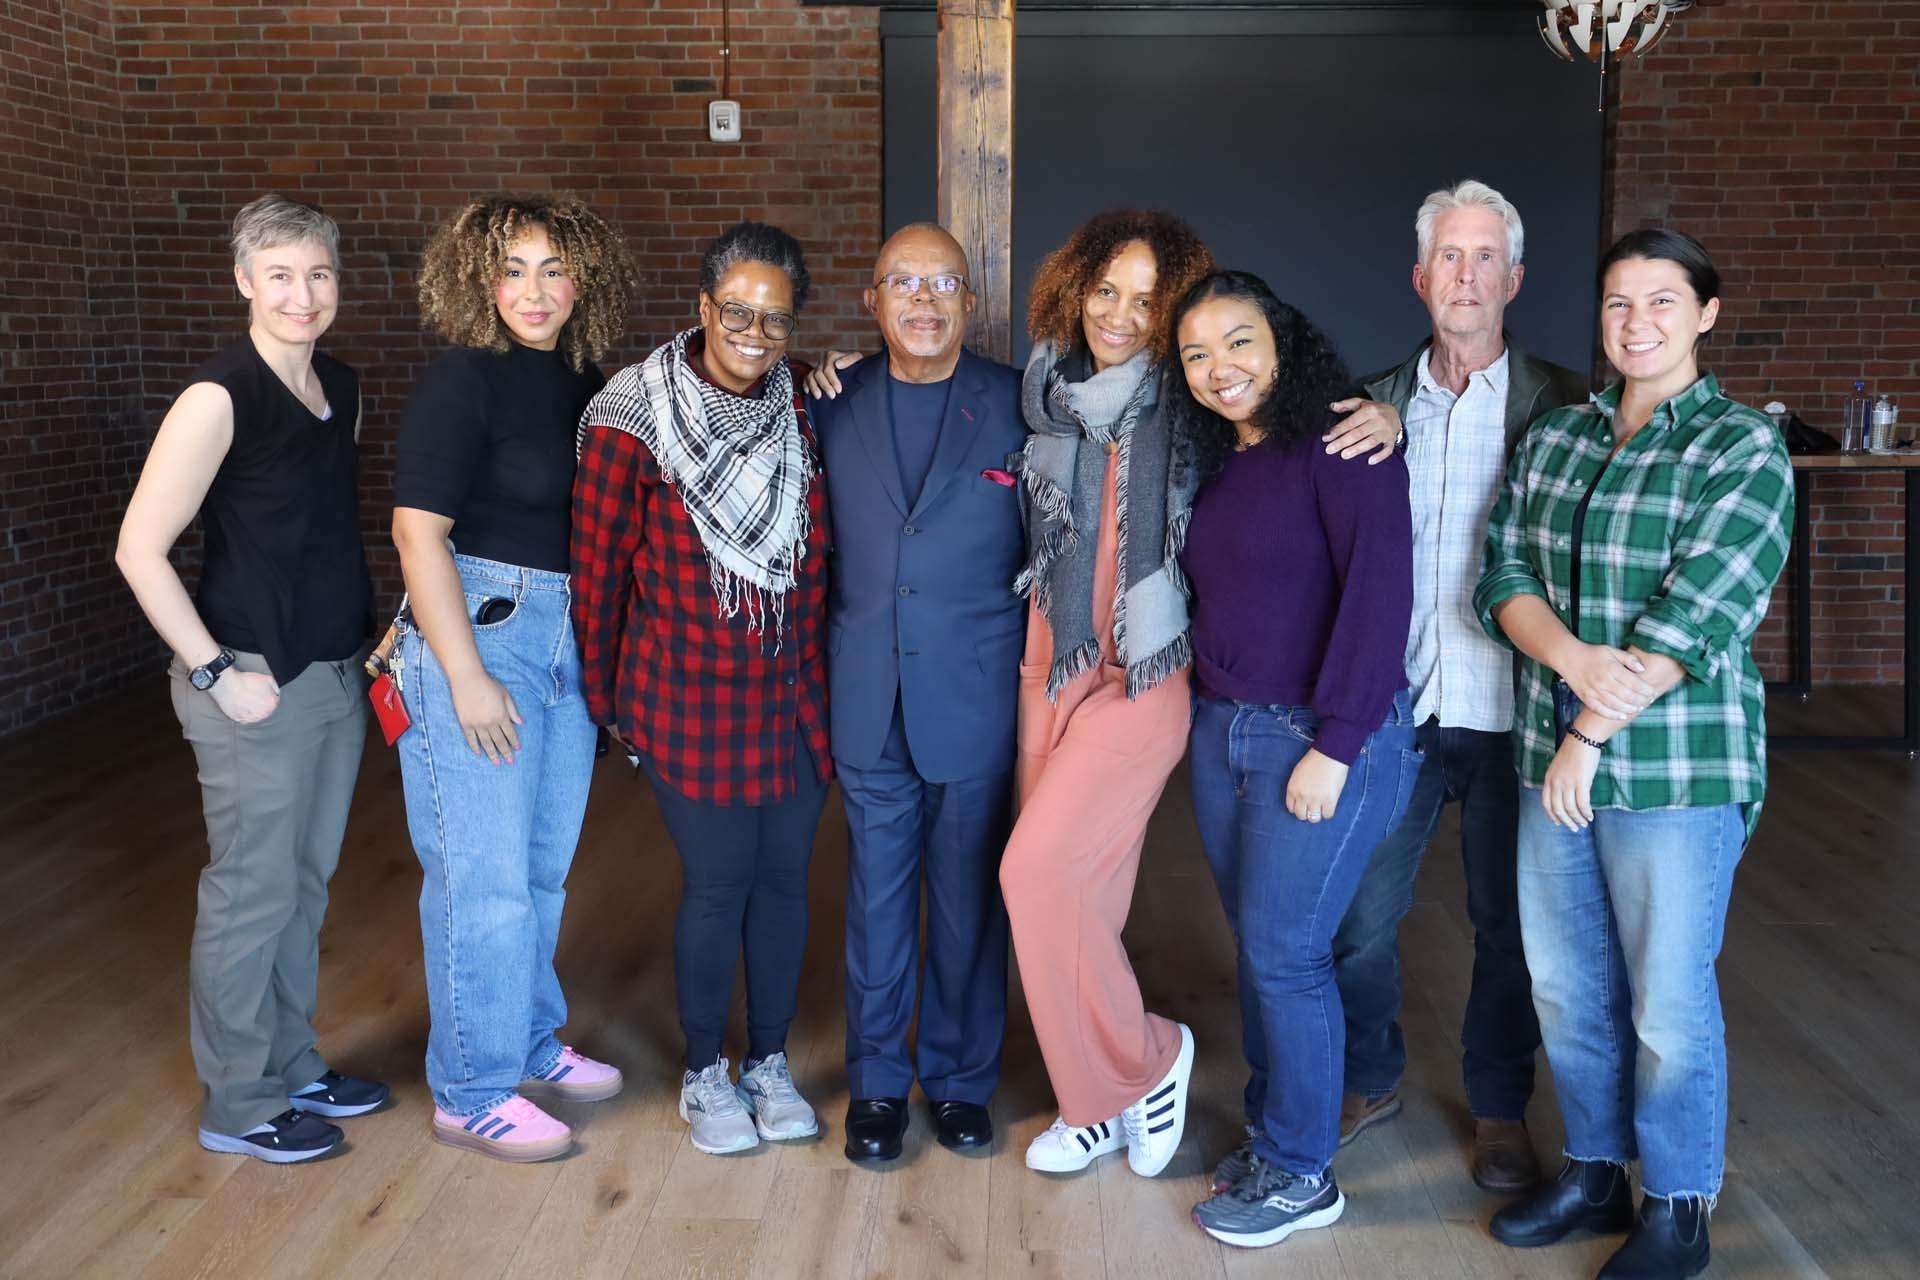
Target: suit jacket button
x: 906, y: 591
x: 910, y: 531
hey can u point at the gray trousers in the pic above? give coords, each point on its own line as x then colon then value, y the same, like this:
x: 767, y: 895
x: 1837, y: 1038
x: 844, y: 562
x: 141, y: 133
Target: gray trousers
x: 276, y: 796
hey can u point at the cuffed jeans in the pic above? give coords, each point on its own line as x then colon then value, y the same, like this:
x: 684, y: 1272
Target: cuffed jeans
x: 276, y: 795
x: 1286, y: 884
x: 496, y: 841
x: 1499, y: 1033
x: 1623, y: 923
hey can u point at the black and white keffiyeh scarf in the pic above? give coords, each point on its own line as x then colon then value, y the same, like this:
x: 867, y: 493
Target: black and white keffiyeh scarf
x: 739, y: 464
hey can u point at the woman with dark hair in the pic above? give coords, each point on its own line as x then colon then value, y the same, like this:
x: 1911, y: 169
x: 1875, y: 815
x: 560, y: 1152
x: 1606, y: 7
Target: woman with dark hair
x: 700, y: 589
x: 261, y: 444
x: 1103, y: 705
x: 529, y: 291
x: 1303, y: 737
x: 1629, y: 560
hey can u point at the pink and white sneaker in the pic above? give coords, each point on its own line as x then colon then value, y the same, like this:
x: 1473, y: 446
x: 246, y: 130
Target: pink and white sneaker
x: 515, y: 1131
x: 574, y: 1077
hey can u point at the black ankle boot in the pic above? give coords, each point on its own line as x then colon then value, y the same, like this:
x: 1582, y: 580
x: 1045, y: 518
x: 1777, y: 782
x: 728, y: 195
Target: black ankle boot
x: 1588, y: 1193
x: 1668, y: 1242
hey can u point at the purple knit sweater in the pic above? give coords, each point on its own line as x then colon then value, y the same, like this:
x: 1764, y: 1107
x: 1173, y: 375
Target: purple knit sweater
x: 1302, y: 573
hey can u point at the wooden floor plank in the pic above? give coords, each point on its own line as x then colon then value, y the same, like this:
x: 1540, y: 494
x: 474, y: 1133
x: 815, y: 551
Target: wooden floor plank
x: 100, y: 1175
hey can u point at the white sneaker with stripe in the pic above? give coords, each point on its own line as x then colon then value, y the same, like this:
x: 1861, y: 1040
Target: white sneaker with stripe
x: 1063, y: 1149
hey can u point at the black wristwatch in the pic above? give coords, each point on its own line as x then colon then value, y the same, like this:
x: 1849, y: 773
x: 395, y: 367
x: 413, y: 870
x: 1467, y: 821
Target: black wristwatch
x: 202, y: 678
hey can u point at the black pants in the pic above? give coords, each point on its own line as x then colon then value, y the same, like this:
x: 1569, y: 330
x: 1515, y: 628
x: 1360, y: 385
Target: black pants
x: 745, y: 868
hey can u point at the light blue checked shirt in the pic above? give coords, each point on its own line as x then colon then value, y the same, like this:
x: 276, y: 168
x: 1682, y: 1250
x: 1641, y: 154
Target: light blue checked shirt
x: 1456, y: 463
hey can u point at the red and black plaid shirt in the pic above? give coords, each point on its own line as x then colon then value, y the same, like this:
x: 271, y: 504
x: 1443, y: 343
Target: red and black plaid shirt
x: 716, y: 710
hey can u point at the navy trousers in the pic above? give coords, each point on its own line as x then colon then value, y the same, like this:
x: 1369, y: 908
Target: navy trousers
x: 899, y: 827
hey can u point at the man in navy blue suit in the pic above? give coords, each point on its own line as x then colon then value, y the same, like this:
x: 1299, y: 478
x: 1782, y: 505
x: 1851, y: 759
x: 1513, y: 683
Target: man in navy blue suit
x: 924, y: 635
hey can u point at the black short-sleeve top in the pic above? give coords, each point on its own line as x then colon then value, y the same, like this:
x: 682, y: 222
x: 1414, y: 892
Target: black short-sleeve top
x: 285, y: 572
x: 489, y: 443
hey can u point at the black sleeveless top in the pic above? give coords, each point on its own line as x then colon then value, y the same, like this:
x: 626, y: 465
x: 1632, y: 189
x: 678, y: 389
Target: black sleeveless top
x: 285, y: 573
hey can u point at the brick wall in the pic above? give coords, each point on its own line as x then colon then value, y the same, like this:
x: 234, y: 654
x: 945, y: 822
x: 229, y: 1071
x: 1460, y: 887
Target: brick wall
x: 71, y: 434
x: 1786, y: 136
x: 158, y: 124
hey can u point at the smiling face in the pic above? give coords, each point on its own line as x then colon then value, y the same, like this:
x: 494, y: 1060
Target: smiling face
x: 1650, y: 321
x: 1117, y: 316
x: 1227, y: 352
x: 923, y: 324
x: 292, y: 290
x: 737, y: 361
x: 534, y: 293
x: 1466, y: 280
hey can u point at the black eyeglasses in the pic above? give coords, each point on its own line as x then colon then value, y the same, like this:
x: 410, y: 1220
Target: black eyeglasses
x: 738, y: 317
x: 944, y: 285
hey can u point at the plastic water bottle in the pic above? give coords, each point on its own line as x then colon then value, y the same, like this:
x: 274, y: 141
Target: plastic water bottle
x: 1857, y: 419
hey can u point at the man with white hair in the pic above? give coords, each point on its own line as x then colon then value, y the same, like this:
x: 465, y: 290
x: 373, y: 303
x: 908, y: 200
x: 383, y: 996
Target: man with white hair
x: 1466, y: 397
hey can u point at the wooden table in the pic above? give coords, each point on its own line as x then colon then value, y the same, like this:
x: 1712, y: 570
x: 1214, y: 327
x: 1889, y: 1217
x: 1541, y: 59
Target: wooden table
x: 1805, y: 467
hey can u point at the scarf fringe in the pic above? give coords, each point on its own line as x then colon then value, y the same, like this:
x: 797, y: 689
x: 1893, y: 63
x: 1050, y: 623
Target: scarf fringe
x: 1070, y: 666
x: 1176, y: 543
x: 1150, y: 671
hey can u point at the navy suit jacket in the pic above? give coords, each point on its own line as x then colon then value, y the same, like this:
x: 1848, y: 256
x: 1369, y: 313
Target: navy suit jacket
x: 922, y: 604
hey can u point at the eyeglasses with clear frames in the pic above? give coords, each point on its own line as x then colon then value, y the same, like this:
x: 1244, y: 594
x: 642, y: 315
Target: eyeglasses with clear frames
x: 944, y: 285
x: 738, y: 317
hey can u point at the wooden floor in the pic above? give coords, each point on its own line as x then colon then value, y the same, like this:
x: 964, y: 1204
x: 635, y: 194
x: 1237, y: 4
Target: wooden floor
x: 100, y: 843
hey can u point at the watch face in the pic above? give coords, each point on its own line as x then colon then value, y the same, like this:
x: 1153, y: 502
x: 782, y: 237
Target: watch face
x: 200, y: 679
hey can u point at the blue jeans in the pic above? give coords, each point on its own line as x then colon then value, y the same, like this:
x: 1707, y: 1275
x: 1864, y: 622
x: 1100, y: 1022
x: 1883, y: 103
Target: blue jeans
x: 495, y: 841
x: 1286, y: 884
x: 1623, y: 924
x: 1499, y: 1033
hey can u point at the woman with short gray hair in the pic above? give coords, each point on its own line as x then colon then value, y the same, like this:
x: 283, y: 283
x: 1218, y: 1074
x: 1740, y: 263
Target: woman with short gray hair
x: 266, y: 675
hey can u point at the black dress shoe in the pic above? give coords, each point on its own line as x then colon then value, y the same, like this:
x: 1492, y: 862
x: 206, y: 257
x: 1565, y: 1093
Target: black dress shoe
x: 1668, y: 1242
x: 1588, y: 1193
x: 963, y: 1125
x: 875, y: 1127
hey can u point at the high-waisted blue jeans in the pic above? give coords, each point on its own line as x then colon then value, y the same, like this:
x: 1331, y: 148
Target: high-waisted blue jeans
x: 495, y: 841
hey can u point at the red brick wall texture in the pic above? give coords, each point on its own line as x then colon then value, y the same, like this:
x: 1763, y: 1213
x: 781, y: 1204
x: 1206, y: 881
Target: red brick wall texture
x: 129, y: 133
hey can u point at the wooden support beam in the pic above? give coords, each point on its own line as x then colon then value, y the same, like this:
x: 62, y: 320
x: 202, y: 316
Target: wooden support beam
x: 975, y: 193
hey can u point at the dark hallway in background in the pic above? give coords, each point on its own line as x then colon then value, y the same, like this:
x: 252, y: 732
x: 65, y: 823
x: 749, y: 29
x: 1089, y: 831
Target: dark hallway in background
x: 1299, y: 143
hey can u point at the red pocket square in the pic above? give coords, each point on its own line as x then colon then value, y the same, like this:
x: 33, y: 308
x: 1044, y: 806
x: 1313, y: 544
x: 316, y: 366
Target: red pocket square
x: 999, y: 477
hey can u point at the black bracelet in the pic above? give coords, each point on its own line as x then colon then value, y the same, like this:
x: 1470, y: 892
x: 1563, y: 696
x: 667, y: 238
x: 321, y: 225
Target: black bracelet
x: 1578, y: 736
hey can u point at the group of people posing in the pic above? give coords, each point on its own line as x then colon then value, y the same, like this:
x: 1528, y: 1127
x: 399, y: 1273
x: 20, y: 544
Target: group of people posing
x: 1185, y: 530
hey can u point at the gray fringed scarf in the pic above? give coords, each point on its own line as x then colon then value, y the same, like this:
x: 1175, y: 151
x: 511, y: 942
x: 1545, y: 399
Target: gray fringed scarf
x: 1063, y: 472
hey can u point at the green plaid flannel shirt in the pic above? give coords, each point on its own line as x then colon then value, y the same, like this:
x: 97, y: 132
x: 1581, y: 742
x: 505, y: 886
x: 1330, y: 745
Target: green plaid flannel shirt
x: 1685, y: 535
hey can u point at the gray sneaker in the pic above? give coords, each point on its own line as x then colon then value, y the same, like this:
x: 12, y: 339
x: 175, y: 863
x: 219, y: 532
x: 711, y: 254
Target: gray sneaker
x: 1235, y: 1165
x: 779, y: 1112
x: 1267, y: 1206
x: 710, y: 1103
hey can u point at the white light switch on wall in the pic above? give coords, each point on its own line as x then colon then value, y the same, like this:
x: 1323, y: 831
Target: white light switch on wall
x: 723, y: 120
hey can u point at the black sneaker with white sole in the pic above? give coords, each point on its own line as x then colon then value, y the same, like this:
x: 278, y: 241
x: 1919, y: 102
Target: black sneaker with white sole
x: 1268, y: 1205
x: 334, y: 1095
x: 288, y: 1138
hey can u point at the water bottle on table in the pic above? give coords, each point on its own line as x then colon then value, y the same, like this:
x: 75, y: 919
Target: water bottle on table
x: 1856, y: 419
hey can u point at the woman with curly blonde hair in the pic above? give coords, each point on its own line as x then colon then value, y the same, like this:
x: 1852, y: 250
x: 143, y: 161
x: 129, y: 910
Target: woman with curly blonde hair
x: 1104, y: 704
x: 529, y: 291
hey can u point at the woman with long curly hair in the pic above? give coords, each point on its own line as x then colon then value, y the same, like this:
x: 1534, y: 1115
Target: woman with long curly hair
x: 1103, y: 704
x: 1303, y: 742
x: 528, y: 291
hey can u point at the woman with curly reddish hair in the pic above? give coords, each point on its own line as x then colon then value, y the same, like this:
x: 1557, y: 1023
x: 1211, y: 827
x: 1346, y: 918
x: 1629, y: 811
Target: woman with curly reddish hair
x: 1104, y: 704
x: 529, y: 291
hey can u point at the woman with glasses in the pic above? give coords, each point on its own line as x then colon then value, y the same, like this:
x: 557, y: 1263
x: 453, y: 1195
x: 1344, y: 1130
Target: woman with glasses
x: 699, y: 590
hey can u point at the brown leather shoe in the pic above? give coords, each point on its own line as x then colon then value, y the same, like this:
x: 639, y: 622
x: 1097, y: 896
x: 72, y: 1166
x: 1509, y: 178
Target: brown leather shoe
x: 1358, y: 1113
x: 1503, y: 1158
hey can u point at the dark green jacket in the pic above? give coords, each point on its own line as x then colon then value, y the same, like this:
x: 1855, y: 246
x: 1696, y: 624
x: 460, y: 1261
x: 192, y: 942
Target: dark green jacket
x: 1533, y: 387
